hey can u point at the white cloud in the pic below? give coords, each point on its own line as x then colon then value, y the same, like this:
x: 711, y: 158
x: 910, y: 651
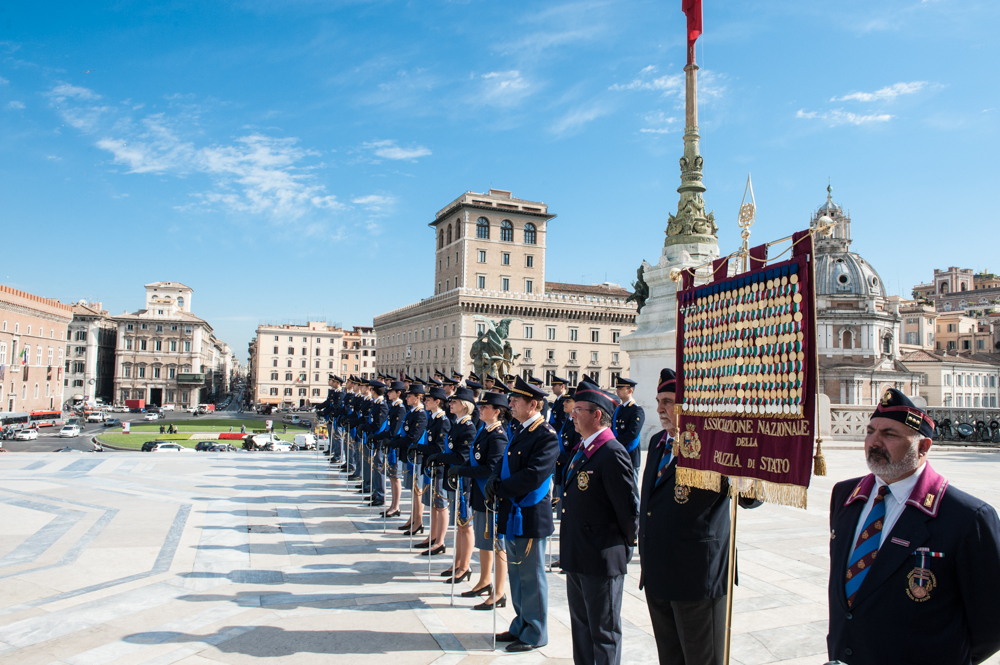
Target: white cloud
x: 15, y: 105
x: 374, y: 202
x: 667, y: 124
x: 887, y: 93
x: 575, y: 119
x: 389, y: 150
x: 66, y: 90
x: 710, y: 85
x: 506, y: 88
x: 841, y: 117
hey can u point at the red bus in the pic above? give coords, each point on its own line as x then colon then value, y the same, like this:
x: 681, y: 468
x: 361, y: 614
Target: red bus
x: 45, y: 418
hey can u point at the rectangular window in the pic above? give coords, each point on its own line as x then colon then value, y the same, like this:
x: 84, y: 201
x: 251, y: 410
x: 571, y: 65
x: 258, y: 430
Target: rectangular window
x: 550, y: 355
x: 593, y: 357
x: 505, y: 258
x: 615, y: 336
x: 527, y: 286
x: 158, y: 345
x: 171, y: 374
x: 159, y: 327
x: 980, y: 344
x: 505, y: 284
x: 527, y: 354
x: 595, y: 377
x: 550, y: 332
x: 481, y: 281
x: 142, y: 345
x: 947, y: 379
x: 572, y: 356
x: 573, y: 377
x: 614, y: 358
x: 128, y: 343
x: 960, y: 379
x: 142, y: 372
x: 480, y: 328
x: 187, y: 330
x: 595, y: 335
x: 529, y: 261
x: 573, y: 334
x: 173, y: 345
x: 614, y: 378
x: 128, y: 326
x: 482, y: 256
x: 529, y: 332
x: 126, y: 371
x: 187, y: 347
x: 156, y: 372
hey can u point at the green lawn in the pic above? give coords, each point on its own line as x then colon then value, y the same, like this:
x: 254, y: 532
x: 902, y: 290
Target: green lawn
x: 151, y: 431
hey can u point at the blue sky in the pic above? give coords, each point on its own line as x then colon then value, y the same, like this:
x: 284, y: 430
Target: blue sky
x: 284, y: 158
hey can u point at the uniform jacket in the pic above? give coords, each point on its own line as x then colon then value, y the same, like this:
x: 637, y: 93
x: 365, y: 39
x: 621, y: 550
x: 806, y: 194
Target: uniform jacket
x: 397, y: 411
x: 459, y: 441
x: 600, y: 514
x: 487, y: 449
x: 531, y: 457
x: 414, y: 426
x: 378, y: 414
x: 438, y: 429
x: 556, y: 414
x: 957, y: 621
x: 683, y: 535
x: 568, y: 439
x: 627, y: 426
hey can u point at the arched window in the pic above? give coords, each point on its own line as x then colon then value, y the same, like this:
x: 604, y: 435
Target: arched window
x: 440, y: 238
x: 887, y: 344
x: 529, y: 234
x: 483, y: 228
x: 458, y: 229
x: 449, y: 234
x: 847, y: 340
x: 964, y: 285
x: 506, y: 231
x: 180, y: 302
x: 944, y: 287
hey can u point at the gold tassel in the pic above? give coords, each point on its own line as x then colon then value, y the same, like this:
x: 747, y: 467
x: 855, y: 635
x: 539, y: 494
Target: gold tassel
x: 819, y: 460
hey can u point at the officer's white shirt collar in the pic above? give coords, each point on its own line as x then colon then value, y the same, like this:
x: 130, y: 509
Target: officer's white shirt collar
x: 630, y: 402
x: 895, y: 502
x: 527, y: 423
x: 586, y: 442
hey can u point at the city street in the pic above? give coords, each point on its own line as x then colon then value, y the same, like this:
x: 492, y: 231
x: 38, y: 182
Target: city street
x: 204, y: 558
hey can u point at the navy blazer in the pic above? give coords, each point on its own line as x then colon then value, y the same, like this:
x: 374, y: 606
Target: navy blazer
x: 955, y: 620
x: 414, y: 426
x: 600, y: 513
x: 397, y: 411
x: 378, y: 415
x: 531, y: 458
x: 459, y: 441
x: 438, y: 430
x: 683, y: 535
x: 568, y: 439
x: 487, y: 448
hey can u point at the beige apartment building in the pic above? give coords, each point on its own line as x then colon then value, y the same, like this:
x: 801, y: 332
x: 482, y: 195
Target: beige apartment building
x: 32, y: 343
x: 90, y: 355
x: 290, y: 364
x: 490, y: 265
x: 956, y: 381
x: 917, y: 332
x: 358, y: 355
x: 167, y: 355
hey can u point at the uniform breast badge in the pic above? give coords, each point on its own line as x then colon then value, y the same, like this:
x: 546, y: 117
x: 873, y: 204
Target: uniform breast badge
x: 582, y: 481
x: 921, y: 581
x: 682, y: 493
x: 690, y: 445
x: 478, y: 454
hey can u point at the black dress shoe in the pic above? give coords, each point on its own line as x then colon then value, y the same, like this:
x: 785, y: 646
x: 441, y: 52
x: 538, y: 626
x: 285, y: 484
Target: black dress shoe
x: 482, y: 591
x: 410, y: 532
x: 354, y: 476
x: 461, y: 578
x: 394, y: 513
x: 507, y: 636
x: 376, y: 504
x: 446, y: 573
x: 489, y: 606
x: 440, y: 549
x: 423, y: 546
x: 405, y: 527
x: 519, y: 647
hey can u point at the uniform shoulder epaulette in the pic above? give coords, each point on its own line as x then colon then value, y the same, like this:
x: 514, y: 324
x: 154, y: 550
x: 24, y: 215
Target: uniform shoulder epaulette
x: 464, y: 419
x: 494, y: 426
x: 538, y: 422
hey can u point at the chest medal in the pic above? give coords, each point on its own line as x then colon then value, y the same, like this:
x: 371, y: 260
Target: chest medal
x: 682, y: 493
x: 921, y: 581
x: 477, y: 454
x: 583, y: 481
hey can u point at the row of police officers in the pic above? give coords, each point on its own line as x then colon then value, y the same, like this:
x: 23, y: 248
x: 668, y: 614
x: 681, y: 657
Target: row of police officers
x: 510, y: 463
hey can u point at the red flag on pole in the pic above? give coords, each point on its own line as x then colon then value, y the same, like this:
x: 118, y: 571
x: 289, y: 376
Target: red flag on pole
x: 692, y: 9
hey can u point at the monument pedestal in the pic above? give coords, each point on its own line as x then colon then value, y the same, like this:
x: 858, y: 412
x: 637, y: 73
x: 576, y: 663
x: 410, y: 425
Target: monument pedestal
x: 653, y: 345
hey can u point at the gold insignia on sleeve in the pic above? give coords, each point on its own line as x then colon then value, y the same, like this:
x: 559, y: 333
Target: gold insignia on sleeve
x: 928, y: 500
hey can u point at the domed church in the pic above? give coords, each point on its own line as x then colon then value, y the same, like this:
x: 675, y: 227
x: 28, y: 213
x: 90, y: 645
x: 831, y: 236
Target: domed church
x: 857, y: 328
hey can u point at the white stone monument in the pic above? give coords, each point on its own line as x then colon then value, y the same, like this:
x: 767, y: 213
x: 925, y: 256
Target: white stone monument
x: 692, y: 240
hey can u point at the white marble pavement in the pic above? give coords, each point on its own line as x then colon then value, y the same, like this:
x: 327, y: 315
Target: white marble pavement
x: 200, y: 559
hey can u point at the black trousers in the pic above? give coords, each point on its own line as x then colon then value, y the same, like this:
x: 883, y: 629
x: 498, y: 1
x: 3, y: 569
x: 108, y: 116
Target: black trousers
x: 595, y: 613
x: 688, y: 632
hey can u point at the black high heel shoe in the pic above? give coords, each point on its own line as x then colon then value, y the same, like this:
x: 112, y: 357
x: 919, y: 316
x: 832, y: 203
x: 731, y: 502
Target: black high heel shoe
x: 461, y: 578
x: 411, y: 532
x: 447, y: 573
x: 482, y: 591
x: 489, y: 606
x: 405, y: 527
x: 440, y: 549
x: 394, y: 513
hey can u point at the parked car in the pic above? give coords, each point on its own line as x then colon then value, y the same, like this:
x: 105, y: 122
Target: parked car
x: 204, y: 445
x: 168, y: 447
x: 149, y: 445
x: 168, y: 407
x: 135, y: 410
x: 26, y: 435
x: 278, y: 447
x: 113, y: 422
x: 70, y: 431
x: 151, y: 416
x: 222, y: 448
x: 96, y: 417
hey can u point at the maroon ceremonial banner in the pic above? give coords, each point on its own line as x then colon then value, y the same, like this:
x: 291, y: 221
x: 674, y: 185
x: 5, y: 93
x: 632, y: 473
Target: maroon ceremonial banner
x: 746, y: 380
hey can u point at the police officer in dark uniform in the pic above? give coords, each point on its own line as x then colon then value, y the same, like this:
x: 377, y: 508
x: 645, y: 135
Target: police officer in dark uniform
x: 397, y: 413
x: 568, y: 440
x: 412, y: 434
x: 522, y: 482
x: 600, y: 516
x: 628, y: 421
x: 556, y: 414
x: 914, y: 562
x: 378, y: 423
x: 438, y: 429
x: 683, y: 550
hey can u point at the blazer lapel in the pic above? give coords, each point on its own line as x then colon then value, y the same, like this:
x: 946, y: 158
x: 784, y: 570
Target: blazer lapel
x: 910, y: 528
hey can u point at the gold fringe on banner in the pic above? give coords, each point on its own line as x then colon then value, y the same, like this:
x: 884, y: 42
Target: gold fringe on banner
x: 752, y: 488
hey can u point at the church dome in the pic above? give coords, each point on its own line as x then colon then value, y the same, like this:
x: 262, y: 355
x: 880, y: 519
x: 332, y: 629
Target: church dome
x: 839, y: 271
